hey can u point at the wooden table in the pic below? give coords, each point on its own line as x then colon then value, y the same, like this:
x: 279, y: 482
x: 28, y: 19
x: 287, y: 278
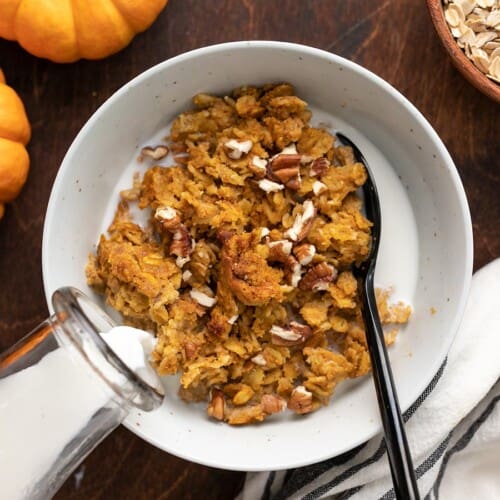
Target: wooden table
x: 393, y: 38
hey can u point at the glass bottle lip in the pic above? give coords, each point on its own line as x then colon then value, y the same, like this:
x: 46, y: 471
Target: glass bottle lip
x: 81, y: 322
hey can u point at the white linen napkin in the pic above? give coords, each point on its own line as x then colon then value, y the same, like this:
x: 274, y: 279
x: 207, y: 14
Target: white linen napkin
x: 453, y: 428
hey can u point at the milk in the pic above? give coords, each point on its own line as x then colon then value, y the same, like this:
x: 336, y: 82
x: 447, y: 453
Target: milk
x: 134, y: 347
x: 45, y: 406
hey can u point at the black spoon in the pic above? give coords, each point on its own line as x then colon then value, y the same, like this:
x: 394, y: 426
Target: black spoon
x: 398, y: 451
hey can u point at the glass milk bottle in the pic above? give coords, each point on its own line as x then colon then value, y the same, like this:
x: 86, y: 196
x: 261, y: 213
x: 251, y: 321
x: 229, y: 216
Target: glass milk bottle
x: 62, y: 391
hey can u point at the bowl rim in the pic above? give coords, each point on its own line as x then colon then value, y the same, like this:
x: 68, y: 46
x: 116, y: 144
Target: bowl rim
x: 477, y: 79
x: 465, y: 218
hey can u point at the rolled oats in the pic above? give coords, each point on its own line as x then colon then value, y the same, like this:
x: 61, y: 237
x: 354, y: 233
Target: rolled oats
x: 476, y: 26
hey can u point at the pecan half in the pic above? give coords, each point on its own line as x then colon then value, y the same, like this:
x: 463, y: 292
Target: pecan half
x: 304, y: 253
x: 216, y: 406
x: 273, y: 404
x: 319, y: 167
x: 286, y: 169
x: 318, y: 277
x: 156, y: 153
x: 294, y: 334
x: 302, y: 223
x: 301, y: 400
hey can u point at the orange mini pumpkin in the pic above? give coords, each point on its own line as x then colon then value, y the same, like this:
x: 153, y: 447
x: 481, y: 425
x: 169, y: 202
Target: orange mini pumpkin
x: 67, y: 30
x: 15, y: 133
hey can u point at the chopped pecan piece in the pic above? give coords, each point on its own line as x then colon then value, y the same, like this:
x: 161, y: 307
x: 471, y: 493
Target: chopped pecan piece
x: 291, y: 149
x: 168, y: 218
x: 202, y: 298
x: 245, y: 414
x: 156, y: 153
x: 293, y: 271
x: 279, y: 250
x: 273, y: 404
x: 190, y: 349
x: 270, y: 186
x: 304, y: 253
x: 216, y: 406
x: 182, y: 245
x: 302, y: 223
x: 318, y: 277
x: 295, y: 334
x: 232, y: 320
x: 318, y: 187
x: 223, y: 235
x: 182, y: 158
x: 301, y: 400
x: 258, y: 359
x: 236, y: 149
x: 319, y: 167
x: 264, y: 231
x: 258, y: 166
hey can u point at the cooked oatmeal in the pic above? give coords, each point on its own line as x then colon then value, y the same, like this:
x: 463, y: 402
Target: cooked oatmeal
x: 244, y: 269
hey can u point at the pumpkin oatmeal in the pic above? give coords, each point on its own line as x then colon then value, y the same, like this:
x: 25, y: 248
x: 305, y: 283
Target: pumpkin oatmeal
x: 244, y: 269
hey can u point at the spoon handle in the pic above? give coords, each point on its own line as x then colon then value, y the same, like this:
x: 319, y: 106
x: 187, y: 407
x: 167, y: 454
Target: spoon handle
x: 398, y: 451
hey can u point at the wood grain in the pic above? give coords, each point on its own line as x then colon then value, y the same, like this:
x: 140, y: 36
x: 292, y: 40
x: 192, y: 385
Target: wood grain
x: 393, y: 38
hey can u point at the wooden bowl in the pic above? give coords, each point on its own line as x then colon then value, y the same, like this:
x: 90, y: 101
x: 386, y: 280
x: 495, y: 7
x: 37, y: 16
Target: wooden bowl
x: 458, y: 57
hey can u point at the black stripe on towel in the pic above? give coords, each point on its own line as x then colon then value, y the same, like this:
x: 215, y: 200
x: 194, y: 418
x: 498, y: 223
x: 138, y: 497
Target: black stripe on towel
x: 464, y: 441
x: 266, y: 494
x: 349, y: 493
x: 432, y: 384
x: 425, y: 466
x: 321, y: 490
x: 304, y: 475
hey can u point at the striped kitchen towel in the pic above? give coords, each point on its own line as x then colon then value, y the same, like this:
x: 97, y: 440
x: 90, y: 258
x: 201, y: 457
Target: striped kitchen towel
x: 453, y: 428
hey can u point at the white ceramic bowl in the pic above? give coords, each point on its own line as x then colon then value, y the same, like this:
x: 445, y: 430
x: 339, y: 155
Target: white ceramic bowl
x: 426, y: 248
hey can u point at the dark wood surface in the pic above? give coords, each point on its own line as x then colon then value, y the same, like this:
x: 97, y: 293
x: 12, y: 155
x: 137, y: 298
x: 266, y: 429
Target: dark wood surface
x: 393, y: 38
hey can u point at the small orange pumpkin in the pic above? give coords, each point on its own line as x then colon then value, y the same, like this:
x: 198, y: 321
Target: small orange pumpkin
x: 67, y: 30
x: 15, y: 132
